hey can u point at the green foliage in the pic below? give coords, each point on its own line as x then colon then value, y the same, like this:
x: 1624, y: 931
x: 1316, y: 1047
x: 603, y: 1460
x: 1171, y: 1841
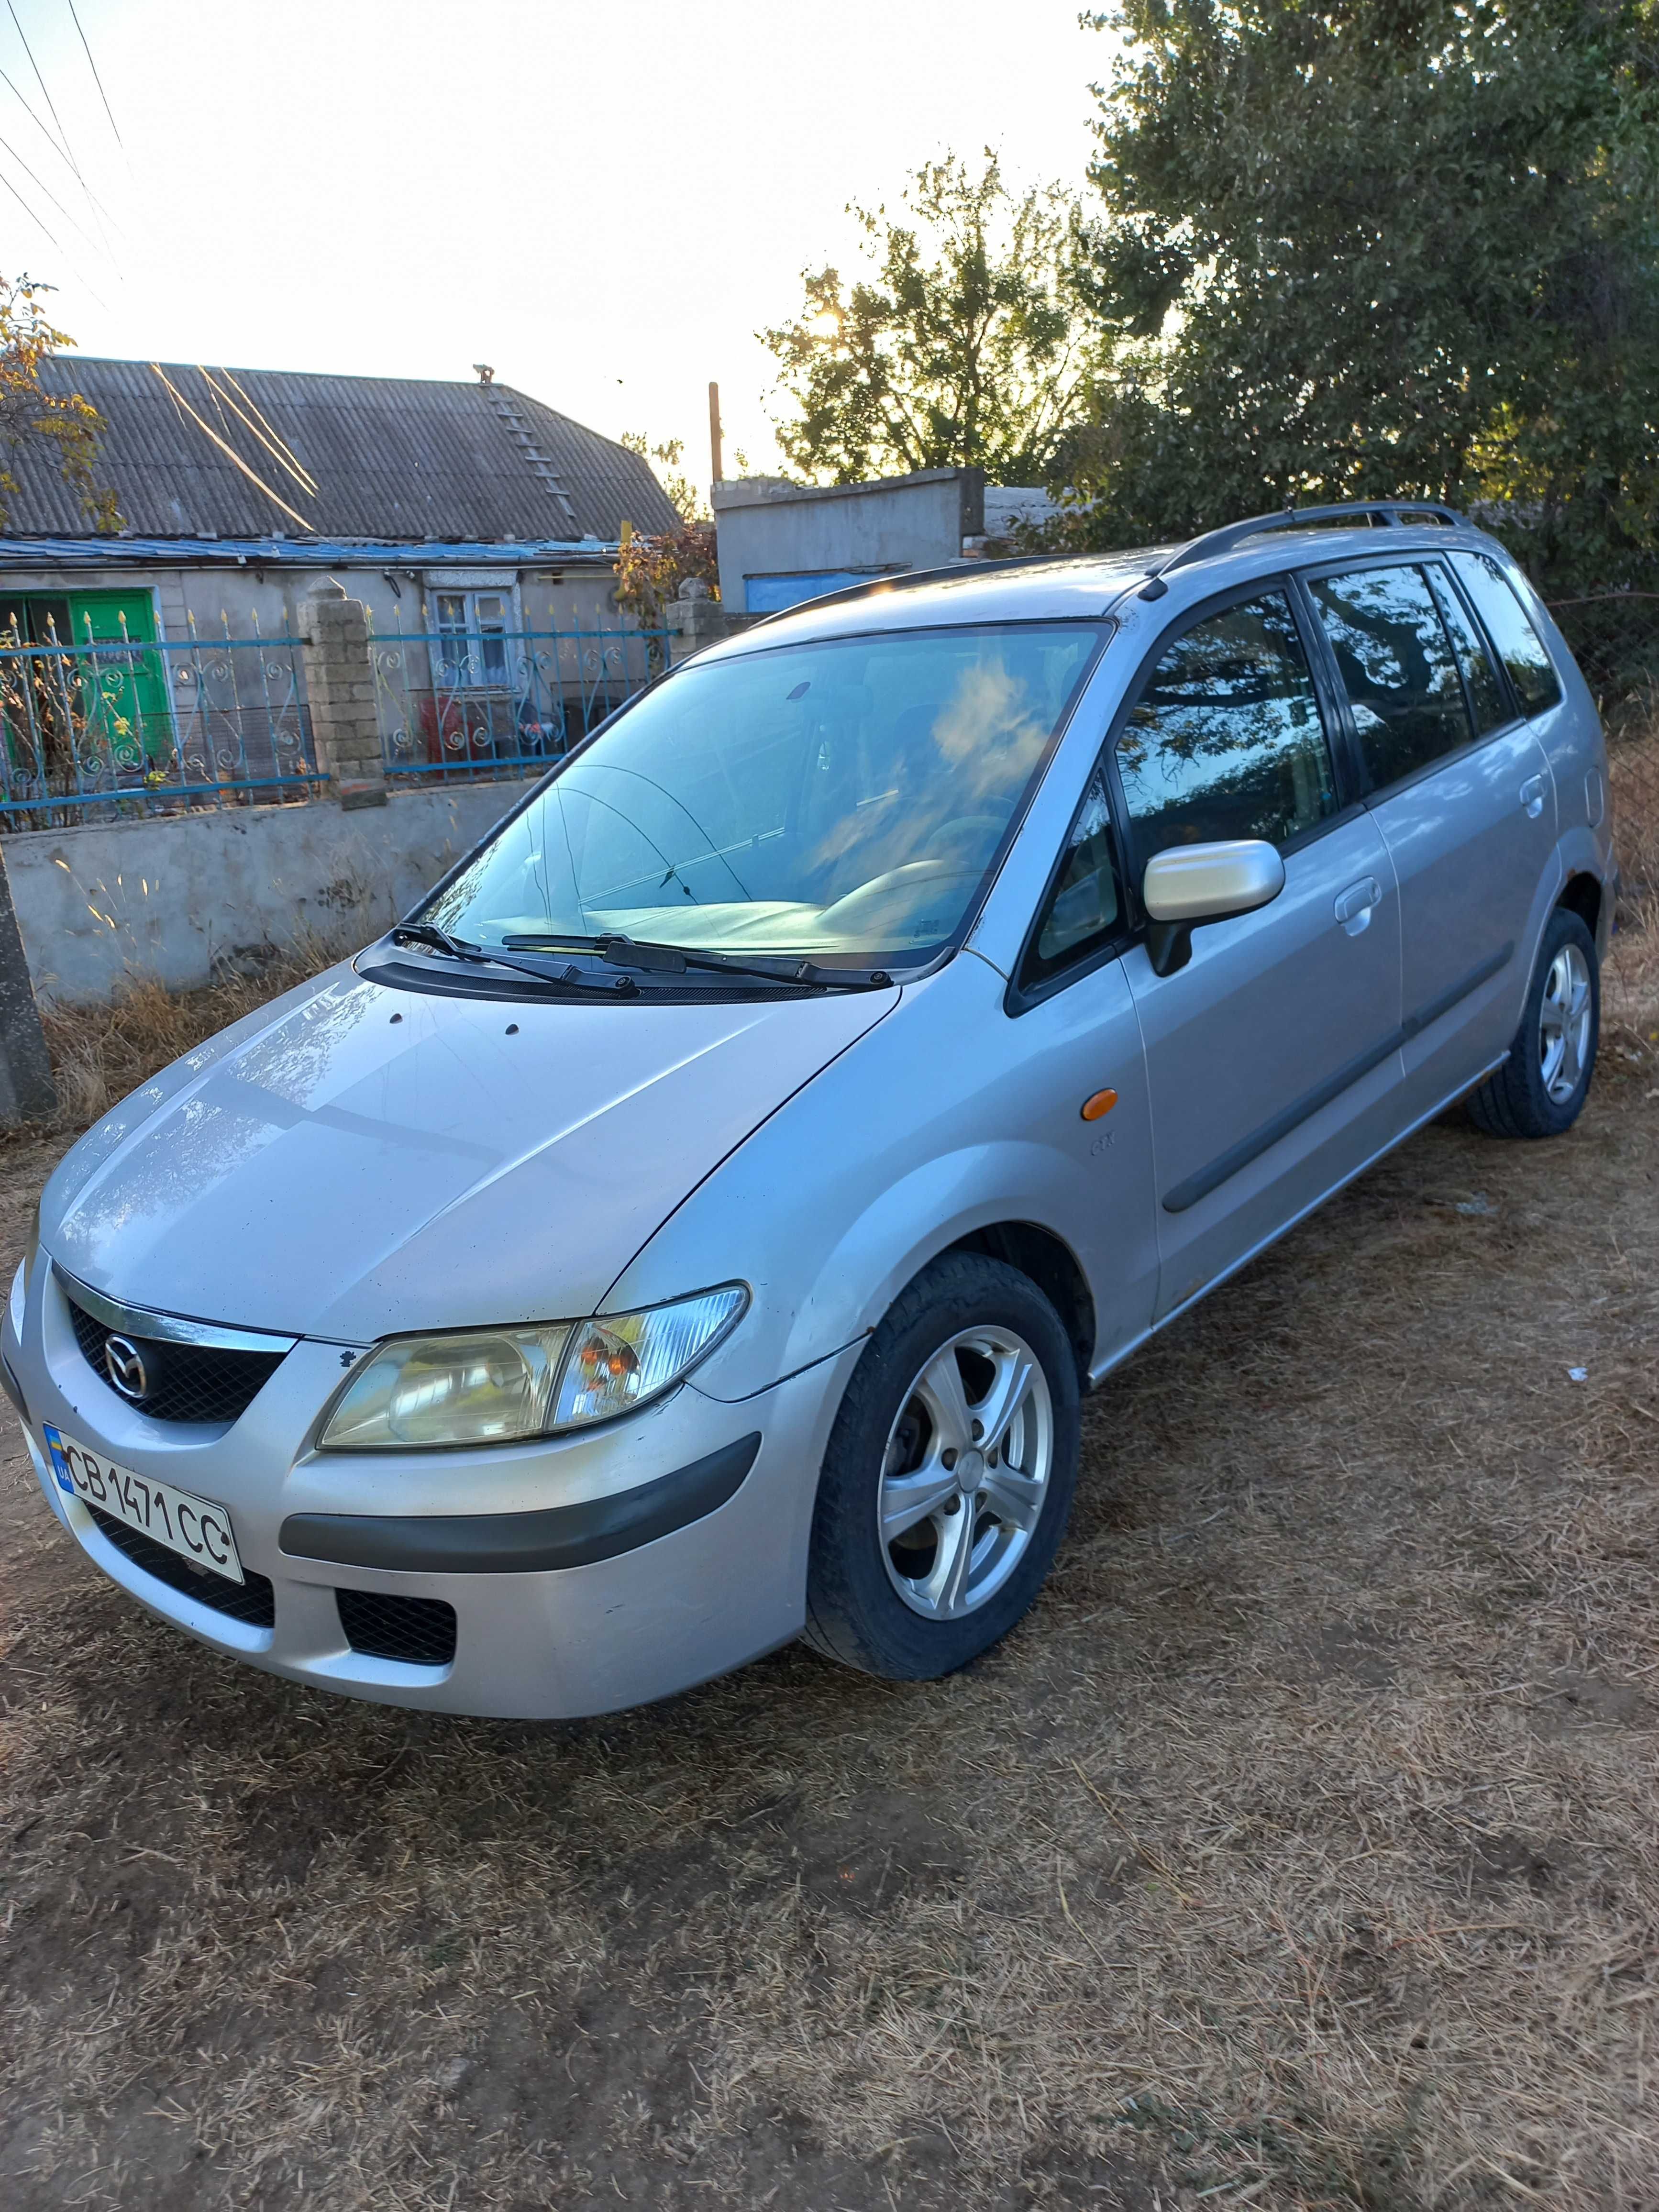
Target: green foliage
x: 666, y: 457
x: 960, y: 345
x: 650, y: 569
x: 1379, y: 246
x: 30, y: 416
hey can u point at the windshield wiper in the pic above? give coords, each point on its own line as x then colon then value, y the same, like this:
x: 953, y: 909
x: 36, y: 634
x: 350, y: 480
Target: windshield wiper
x: 429, y: 935
x: 618, y: 950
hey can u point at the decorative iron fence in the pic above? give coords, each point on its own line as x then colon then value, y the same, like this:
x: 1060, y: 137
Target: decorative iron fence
x: 465, y: 704
x: 108, y: 727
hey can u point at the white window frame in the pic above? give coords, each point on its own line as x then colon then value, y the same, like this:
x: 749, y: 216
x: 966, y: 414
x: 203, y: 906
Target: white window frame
x: 470, y: 587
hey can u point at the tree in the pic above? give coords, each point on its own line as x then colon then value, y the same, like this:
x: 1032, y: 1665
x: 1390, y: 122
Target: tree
x: 651, y: 568
x: 960, y: 345
x: 666, y: 457
x: 30, y: 416
x: 1375, y: 247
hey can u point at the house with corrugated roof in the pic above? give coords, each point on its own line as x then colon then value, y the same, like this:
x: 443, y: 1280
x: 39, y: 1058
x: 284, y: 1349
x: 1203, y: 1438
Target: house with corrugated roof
x: 468, y: 511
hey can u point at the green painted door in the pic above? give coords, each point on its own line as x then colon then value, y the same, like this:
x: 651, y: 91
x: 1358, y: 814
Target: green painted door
x: 127, y: 706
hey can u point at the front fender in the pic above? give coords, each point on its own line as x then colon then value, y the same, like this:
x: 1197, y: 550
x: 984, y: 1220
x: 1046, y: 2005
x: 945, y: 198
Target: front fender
x: 952, y: 1115
x: 883, y: 1247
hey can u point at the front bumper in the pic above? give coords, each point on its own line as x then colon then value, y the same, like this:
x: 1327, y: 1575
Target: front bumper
x: 651, y: 1602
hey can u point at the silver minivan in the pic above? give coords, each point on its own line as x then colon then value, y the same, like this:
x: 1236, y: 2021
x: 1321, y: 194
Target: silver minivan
x: 695, y: 1228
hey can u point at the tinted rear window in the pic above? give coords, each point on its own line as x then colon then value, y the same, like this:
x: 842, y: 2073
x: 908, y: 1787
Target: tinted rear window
x: 1519, y: 646
x: 1397, y: 667
x: 1487, y: 701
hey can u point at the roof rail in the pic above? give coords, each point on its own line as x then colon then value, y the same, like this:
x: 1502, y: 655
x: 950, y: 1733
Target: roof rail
x: 905, y: 579
x: 1211, y: 542
x: 1387, y: 513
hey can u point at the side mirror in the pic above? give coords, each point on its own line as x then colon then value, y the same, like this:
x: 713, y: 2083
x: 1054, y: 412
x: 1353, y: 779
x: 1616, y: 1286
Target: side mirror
x: 1188, y: 884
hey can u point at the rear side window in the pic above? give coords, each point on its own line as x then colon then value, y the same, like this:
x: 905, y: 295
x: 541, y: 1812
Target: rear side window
x: 1519, y: 646
x: 1487, y: 701
x: 1226, y: 739
x: 1397, y: 668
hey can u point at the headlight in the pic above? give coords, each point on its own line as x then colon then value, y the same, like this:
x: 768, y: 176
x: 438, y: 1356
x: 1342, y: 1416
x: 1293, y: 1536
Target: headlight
x: 502, y: 1385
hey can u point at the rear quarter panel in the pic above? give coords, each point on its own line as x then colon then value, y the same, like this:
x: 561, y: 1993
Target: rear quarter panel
x: 1575, y: 744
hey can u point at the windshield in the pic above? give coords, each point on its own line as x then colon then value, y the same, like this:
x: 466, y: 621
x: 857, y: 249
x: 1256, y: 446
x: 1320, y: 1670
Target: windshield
x: 841, y: 800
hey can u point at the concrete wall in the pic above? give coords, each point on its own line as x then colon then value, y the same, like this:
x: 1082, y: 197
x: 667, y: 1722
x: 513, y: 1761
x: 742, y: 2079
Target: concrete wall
x: 267, y: 601
x: 184, y: 896
x: 768, y: 528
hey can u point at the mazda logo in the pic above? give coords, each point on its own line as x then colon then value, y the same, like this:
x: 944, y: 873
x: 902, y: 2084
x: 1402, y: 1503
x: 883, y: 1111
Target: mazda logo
x: 125, y: 1365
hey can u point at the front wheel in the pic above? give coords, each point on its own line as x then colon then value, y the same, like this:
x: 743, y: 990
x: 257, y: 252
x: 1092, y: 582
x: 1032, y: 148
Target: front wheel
x: 1540, y: 1089
x: 949, y: 1475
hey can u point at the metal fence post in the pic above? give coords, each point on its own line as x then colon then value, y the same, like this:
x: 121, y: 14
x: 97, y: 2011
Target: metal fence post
x: 26, y: 1086
x: 340, y: 689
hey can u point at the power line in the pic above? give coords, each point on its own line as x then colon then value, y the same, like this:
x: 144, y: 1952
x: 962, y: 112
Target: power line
x: 21, y: 98
x: 229, y: 452
x: 62, y: 135
x: 278, y: 450
x: 28, y: 210
x: 96, y: 79
x: 6, y: 146
x: 70, y: 261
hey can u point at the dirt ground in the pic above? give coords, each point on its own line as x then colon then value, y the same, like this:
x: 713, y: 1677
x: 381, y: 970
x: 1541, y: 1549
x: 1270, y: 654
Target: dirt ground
x: 1301, y: 1850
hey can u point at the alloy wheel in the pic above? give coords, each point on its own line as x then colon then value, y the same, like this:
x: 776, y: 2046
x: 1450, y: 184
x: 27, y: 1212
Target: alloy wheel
x: 965, y: 1471
x: 1564, y: 1024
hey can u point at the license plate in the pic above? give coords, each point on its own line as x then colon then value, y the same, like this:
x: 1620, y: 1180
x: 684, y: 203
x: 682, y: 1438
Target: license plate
x: 195, y: 1527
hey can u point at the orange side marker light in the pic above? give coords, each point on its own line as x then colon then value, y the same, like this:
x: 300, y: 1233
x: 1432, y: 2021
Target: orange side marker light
x: 1101, y: 1103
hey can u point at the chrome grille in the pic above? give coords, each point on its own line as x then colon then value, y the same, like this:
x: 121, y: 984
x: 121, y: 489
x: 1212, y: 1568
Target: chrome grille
x: 187, y: 1382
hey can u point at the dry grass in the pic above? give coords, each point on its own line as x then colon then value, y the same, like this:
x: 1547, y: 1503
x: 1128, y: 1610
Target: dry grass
x: 1298, y: 1850
x: 100, y: 1053
x: 1632, y: 983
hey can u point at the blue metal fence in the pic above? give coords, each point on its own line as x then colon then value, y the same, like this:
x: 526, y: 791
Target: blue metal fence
x: 103, y: 728
x: 475, y: 704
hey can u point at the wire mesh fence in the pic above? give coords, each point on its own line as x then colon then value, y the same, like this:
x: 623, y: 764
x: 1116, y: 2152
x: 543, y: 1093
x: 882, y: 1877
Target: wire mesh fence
x: 469, y: 703
x: 1614, y: 636
x: 99, y: 728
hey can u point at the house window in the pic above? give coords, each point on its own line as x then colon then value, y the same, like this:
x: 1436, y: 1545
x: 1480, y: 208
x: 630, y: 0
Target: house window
x: 472, y: 629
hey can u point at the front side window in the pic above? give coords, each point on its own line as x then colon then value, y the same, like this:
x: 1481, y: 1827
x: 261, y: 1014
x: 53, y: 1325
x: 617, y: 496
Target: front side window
x: 1084, y: 908
x: 842, y: 798
x: 1397, y: 667
x: 1519, y: 646
x: 1227, y: 740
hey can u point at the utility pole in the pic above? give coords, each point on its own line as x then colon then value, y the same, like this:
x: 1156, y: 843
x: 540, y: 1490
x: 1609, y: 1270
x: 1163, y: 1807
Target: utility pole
x: 717, y: 470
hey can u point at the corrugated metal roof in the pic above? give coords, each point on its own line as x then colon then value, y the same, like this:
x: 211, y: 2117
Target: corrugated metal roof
x: 297, y: 552
x: 195, y: 452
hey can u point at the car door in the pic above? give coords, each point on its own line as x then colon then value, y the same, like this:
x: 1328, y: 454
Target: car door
x: 1461, y: 791
x: 1272, y: 1056
x: 1075, y: 1069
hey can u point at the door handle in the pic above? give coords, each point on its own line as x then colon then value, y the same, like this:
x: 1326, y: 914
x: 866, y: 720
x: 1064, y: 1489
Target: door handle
x: 1353, y: 906
x: 1532, y: 796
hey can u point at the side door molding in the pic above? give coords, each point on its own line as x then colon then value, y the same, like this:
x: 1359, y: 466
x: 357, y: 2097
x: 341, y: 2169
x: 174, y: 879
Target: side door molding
x: 1238, y: 1156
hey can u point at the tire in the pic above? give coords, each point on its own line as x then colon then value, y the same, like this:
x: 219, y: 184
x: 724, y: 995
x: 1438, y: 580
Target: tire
x: 945, y: 1588
x: 1540, y: 1089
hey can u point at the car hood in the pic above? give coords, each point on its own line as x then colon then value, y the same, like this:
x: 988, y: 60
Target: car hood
x: 369, y: 1160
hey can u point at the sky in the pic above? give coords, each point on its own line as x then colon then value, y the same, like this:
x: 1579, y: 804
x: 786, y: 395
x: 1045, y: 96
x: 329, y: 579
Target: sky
x: 604, y: 199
